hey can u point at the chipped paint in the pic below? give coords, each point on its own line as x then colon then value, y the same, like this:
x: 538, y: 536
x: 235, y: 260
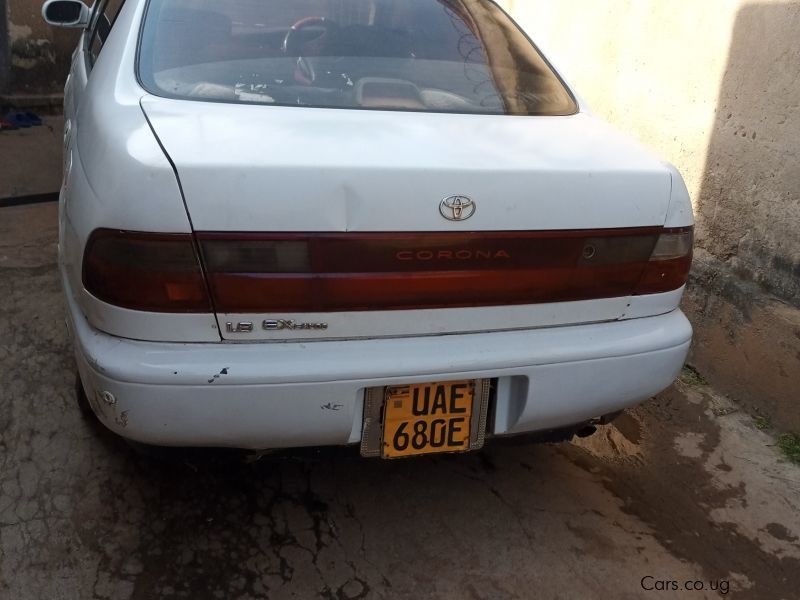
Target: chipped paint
x: 122, y: 419
x: 217, y: 375
x: 34, y: 57
x: 28, y: 52
x: 18, y: 32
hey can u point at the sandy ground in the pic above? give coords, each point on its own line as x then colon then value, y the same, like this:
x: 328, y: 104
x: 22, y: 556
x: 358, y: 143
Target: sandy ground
x: 682, y: 492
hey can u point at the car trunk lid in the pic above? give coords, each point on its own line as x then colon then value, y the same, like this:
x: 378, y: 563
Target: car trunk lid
x: 369, y: 200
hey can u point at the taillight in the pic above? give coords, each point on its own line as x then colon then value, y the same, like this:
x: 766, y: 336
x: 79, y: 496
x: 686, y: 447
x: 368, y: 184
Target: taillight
x: 328, y: 272
x: 145, y: 271
x: 670, y: 263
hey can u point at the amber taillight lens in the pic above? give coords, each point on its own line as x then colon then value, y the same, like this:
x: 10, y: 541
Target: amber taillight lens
x: 328, y: 272
x: 145, y: 271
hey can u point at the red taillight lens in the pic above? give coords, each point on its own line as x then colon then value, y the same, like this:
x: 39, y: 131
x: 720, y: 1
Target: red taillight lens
x: 145, y: 271
x: 389, y: 271
x: 669, y: 265
x: 381, y: 271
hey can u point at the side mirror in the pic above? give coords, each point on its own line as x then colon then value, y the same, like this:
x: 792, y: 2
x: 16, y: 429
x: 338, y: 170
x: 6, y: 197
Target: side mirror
x: 65, y: 13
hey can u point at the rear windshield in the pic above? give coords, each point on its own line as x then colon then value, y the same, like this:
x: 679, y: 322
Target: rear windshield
x: 460, y: 56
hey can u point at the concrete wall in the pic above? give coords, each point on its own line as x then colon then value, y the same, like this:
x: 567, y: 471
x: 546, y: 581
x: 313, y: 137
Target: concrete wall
x: 34, y: 58
x: 714, y: 87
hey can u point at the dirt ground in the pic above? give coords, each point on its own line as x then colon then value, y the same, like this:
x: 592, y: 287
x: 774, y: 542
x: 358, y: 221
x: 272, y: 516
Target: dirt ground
x: 683, y: 497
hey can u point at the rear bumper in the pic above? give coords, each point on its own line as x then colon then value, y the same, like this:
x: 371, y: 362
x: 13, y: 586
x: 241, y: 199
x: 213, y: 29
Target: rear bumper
x: 278, y: 395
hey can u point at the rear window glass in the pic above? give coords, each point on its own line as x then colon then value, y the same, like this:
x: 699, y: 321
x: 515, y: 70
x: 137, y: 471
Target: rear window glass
x: 462, y: 56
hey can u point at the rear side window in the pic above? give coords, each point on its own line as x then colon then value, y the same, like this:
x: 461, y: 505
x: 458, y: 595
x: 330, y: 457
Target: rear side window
x: 463, y: 56
x: 108, y: 12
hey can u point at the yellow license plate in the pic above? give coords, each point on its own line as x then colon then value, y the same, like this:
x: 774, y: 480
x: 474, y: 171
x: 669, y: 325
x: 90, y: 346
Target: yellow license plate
x: 428, y: 418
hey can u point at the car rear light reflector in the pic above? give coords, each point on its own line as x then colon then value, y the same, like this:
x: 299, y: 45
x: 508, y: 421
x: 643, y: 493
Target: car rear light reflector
x: 328, y: 272
x: 153, y: 272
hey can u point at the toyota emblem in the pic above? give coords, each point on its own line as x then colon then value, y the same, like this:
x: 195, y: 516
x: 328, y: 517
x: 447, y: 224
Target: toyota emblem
x: 457, y: 208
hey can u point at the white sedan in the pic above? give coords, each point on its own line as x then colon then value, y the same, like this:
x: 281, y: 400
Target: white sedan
x: 388, y: 223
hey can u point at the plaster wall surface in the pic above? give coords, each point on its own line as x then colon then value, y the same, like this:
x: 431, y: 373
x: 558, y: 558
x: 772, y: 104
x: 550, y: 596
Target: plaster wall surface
x: 713, y: 87
x: 35, y: 57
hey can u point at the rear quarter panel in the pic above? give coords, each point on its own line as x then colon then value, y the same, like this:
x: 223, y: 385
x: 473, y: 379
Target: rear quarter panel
x: 119, y: 178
